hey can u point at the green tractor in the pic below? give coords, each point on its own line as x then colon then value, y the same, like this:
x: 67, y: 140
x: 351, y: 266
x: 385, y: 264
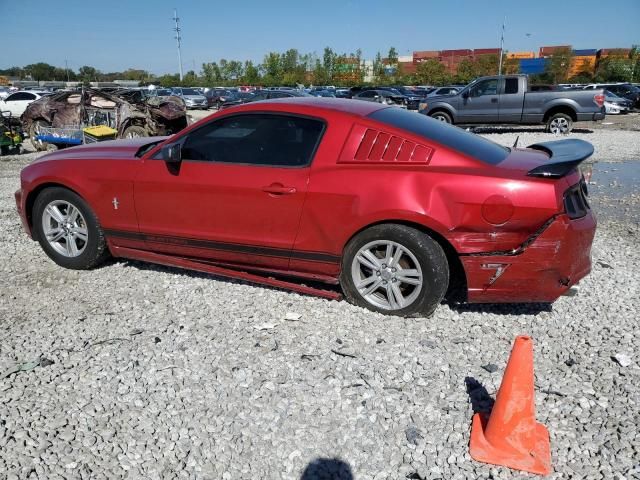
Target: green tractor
x: 10, y: 136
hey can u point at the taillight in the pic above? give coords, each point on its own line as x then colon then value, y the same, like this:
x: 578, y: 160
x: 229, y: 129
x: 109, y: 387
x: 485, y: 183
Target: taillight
x: 599, y: 99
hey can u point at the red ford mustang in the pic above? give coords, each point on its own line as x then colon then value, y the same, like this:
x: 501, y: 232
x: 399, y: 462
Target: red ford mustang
x: 395, y: 207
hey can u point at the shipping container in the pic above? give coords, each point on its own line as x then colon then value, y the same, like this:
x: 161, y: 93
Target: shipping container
x: 547, y: 51
x: 614, y: 52
x: 521, y: 55
x: 486, y: 51
x: 582, y: 64
x: 422, y: 55
x: 532, y: 66
x: 407, y: 68
x: 455, y: 53
x: 585, y: 52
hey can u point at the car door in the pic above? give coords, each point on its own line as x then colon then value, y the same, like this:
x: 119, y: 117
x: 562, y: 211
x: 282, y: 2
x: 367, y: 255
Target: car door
x: 237, y: 195
x: 511, y: 100
x: 17, y: 103
x: 479, y: 104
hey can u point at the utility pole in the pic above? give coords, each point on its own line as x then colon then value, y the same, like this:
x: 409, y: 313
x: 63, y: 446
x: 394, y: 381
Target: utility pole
x: 502, y: 46
x: 66, y: 68
x: 177, y: 29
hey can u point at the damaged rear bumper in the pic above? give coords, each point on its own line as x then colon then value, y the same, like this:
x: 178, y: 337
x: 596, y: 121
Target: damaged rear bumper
x: 541, y: 271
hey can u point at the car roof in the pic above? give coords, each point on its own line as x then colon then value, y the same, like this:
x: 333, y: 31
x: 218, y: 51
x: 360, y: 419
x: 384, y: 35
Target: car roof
x: 316, y: 103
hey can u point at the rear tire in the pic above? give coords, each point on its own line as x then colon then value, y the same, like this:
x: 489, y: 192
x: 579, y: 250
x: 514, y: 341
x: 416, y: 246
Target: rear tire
x: 559, y: 124
x: 67, y: 229
x: 441, y: 116
x: 395, y: 270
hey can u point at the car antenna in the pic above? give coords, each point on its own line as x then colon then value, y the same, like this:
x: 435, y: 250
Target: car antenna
x: 515, y: 144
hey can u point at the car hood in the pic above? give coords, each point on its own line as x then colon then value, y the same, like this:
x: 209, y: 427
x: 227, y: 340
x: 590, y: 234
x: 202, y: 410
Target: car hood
x: 111, y: 149
x: 194, y: 97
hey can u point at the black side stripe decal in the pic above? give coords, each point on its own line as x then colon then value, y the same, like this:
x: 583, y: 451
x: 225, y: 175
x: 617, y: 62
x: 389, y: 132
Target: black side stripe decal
x: 228, y: 247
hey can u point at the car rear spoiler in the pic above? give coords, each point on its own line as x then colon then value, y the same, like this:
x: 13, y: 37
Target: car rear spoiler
x: 564, y: 155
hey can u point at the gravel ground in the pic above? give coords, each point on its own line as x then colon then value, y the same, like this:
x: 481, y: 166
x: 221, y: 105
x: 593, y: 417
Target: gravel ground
x: 138, y: 371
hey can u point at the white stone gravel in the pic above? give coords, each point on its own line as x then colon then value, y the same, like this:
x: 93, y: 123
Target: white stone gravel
x: 159, y: 373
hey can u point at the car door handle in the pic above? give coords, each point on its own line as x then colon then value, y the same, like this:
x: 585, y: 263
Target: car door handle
x: 494, y: 100
x: 278, y: 189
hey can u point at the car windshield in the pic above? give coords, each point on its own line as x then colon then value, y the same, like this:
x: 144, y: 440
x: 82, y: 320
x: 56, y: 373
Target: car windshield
x: 190, y: 91
x: 164, y: 92
x: 452, y: 137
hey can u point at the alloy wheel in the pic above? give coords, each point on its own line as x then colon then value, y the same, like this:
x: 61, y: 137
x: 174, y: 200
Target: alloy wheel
x: 559, y: 125
x: 387, y: 275
x: 65, y: 228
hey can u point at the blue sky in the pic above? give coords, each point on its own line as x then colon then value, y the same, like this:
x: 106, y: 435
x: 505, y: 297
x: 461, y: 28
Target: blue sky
x: 118, y: 34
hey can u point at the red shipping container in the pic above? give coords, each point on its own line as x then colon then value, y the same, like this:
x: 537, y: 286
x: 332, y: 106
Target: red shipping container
x: 486, y: 51
x: 550, y: 50
x: 450, y: 53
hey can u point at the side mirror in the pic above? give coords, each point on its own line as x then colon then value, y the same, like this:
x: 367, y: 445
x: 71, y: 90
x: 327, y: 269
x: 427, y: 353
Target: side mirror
x: 172, y: 153
x: 465, y: 94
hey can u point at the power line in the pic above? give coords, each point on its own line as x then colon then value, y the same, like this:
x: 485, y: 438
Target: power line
x: 178, y: 38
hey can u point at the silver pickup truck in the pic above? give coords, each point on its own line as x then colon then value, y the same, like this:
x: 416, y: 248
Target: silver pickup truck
x: 507, y: 99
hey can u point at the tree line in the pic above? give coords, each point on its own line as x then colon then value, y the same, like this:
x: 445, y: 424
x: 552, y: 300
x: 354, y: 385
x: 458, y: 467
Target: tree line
x: 341, y: 69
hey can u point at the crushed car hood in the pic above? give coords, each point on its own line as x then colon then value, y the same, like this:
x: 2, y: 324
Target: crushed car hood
x: 111, y: 149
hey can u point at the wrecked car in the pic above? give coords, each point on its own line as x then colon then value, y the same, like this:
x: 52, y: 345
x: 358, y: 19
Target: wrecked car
x: 396, y: 208
x: 135, y: 117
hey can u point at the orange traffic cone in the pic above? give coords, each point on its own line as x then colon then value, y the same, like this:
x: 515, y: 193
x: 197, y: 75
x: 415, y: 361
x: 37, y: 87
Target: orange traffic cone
x: 510, y: 436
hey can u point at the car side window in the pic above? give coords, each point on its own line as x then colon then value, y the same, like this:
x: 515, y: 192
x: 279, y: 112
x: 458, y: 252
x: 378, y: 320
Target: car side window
x: 256, y: 139
x: 485, y: 87
x: 367, y: 94
x: 511, y: 85
x: 20, y: 96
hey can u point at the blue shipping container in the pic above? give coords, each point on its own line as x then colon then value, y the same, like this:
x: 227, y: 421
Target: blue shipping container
x: 532, y: 66
x: 588, y: 52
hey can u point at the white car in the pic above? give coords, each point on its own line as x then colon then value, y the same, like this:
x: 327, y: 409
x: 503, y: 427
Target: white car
x: 4, y: 92
x: 17, y: 102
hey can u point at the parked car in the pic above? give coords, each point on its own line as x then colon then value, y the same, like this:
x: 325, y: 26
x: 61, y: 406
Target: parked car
x: 614, y: 104
x: 192, y: 98
x: 388, y: 97
x: 323, y: 93
x: 507, y: 99
x: 625, y: 90
x: 443, y: 91
x: 309, y: 188
x: 216, y: 97
x: 412, y: 98
x: 342, y: 93
x: 4, y: 92
x: 267, y: 95
x: 17, y: 102
x: 90, y: 107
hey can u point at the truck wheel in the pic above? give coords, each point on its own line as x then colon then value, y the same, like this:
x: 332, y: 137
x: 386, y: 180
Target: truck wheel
x: 395, y: 270
x: 441, y: 116
x: 559, y: 123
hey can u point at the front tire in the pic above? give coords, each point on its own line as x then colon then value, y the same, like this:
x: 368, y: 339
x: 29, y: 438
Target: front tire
x: 395, y: 270
x: 442, y: 117
x: 67, y: 229
x: 559, y: 124
x: 34, y: 130
x: 134, y: 131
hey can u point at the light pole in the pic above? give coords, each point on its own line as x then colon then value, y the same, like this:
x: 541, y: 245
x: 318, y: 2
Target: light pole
x: 501, y: 46
x: 177, y: 29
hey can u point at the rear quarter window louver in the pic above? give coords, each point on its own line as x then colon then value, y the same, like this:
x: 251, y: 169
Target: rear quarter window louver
x: 367, y: 145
